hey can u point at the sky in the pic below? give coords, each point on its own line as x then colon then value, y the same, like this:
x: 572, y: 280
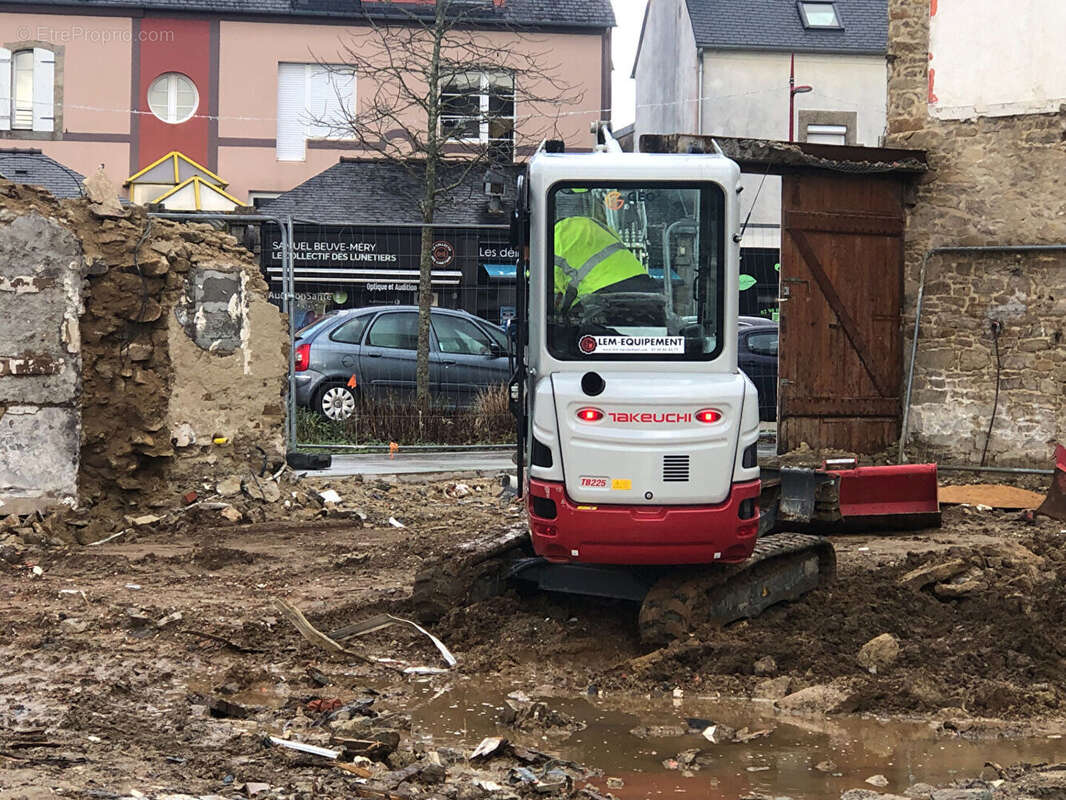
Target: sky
x: 629, y: 15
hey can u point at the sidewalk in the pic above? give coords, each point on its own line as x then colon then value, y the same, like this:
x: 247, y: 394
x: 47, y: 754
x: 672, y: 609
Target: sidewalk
x: 481, y: 461
x: 486, y: 461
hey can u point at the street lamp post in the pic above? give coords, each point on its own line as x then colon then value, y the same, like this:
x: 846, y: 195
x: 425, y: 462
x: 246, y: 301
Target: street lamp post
x: 793, y: 90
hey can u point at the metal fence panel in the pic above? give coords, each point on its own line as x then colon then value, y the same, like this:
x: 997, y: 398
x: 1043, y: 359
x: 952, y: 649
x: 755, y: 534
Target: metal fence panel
x: 354, y: 292
x: 350, y: 292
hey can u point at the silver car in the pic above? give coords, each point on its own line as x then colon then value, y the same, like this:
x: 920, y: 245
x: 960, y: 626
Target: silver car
x: 371, y: 352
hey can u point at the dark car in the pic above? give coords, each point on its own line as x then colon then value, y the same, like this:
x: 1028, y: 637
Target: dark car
x: 757, y: 356
x: 371, y: 352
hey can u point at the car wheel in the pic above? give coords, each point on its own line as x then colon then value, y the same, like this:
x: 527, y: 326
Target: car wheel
x: 336, y: 402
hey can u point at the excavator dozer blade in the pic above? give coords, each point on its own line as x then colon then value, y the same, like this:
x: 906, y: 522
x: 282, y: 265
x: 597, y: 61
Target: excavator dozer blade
x: 1054, y: 504
x: 783, y: 567
x: 893, y: 497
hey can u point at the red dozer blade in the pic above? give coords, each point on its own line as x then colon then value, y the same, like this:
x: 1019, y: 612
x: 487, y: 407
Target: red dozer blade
x: 893, y: 497
x: 1054, y: 504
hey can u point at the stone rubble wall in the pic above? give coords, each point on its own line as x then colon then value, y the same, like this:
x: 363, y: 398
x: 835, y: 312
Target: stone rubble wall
x: 991, y: 181
x: 167, y: 360
x: 40, y: 362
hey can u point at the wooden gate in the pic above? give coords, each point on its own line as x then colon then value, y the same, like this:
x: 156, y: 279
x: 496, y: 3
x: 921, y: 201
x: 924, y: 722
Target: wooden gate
x: 840, y: 368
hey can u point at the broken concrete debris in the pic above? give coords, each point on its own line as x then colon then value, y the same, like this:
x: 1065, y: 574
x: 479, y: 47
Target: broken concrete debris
x: 832, y: 698
x: 879, y: 653
x: 765, y: 666
x: 932, y: 573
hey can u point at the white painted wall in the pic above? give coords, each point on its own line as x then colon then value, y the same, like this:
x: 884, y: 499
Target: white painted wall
x: 746, y: 94
x: 996, y: 59
x: 667, y: 71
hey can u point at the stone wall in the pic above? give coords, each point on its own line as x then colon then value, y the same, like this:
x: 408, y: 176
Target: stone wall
x: 40, y: 364
x: 149, y: 355
x: 991, y: 181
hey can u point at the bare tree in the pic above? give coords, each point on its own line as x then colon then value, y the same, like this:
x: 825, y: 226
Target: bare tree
x: 446, y: 82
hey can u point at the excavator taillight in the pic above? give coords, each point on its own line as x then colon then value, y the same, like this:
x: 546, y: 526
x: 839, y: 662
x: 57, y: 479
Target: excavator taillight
x: 708, y: 415
x: 589, y: 414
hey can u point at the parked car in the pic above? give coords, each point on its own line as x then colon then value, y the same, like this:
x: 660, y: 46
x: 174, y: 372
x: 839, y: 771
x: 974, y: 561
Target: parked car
x: 371, y: 352
x: 757, y: 342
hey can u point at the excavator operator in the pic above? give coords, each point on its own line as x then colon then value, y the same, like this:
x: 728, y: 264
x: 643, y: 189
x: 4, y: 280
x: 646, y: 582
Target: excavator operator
x: 589, y: 257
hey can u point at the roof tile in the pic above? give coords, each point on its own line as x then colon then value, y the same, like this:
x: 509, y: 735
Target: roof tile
x: 541, y: 13
x: 32, y: 167
x: 777, y: 25
x: 367, y: 192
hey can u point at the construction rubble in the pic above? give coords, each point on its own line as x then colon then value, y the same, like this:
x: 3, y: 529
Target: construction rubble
x: 166, y: 662
x: 184, y: 615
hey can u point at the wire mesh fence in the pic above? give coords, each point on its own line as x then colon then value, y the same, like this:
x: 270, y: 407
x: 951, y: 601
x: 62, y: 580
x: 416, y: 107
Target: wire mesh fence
x: 354, y: 294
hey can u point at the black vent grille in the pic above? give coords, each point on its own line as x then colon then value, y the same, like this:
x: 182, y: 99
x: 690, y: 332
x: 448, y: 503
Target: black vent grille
x: 675, y: 469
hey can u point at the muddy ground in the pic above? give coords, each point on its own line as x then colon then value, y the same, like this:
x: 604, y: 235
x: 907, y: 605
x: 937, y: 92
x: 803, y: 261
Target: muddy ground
x: 159, y: 662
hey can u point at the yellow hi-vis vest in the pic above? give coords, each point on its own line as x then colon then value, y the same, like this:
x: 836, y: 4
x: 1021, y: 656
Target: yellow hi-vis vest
x: 589, y: 257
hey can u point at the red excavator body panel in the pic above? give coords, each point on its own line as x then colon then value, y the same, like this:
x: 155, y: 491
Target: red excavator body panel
x: 643, y: 535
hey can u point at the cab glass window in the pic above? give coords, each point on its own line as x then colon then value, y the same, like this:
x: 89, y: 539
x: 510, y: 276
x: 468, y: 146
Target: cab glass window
x: 635, y: 271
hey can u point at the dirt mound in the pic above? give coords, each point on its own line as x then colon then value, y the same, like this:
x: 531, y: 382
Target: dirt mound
x: 213, y: 558
x: 987, y: 638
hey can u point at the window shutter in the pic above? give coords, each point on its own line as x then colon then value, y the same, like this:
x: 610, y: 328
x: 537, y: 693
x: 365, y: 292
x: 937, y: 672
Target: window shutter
x: 44, y: 70
x: 292, y: 125
x: 329, y: 101
x: 5, y: 89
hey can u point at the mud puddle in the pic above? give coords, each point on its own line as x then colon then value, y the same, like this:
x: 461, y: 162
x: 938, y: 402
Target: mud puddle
x: 636, y: 742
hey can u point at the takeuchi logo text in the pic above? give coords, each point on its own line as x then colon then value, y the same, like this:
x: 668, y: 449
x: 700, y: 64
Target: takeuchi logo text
x: 674, y: 417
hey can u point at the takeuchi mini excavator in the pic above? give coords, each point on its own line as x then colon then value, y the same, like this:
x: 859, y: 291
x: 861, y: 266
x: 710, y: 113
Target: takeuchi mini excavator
x: 638, y: 433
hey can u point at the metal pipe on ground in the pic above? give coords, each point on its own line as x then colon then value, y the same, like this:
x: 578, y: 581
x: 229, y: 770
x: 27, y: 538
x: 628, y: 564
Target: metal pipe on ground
x: 407, y: 448
x: 1004, y: 470
x: 981, y: 249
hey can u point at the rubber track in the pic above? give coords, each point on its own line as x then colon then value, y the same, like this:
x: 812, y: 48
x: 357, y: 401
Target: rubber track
x: 473, y: 571
x: 680, y: 599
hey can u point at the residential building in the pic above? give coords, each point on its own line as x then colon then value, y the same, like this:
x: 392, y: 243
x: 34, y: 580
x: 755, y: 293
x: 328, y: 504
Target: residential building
x: 722, y: 67
x: 990, y: 359
x: 254, y: 90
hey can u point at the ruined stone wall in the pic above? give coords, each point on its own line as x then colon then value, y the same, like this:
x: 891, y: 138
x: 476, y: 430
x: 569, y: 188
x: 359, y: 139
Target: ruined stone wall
x: 40, y: 367
x: 991, y: 181
x: 182, y: 358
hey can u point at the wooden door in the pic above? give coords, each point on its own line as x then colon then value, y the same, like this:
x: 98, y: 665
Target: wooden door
x: 841, y: 365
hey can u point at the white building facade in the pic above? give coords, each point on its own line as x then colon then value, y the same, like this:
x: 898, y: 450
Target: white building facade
x: 721, y: 67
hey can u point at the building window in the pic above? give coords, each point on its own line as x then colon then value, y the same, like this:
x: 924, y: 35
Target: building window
x: 173, y: 98
x: 478, y: 107
x: 27, y: 89
x: 259, y: 199
x: 827, y: 134
x: 315, y: 101
x: 819, y: 15
x: 819, y: 126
